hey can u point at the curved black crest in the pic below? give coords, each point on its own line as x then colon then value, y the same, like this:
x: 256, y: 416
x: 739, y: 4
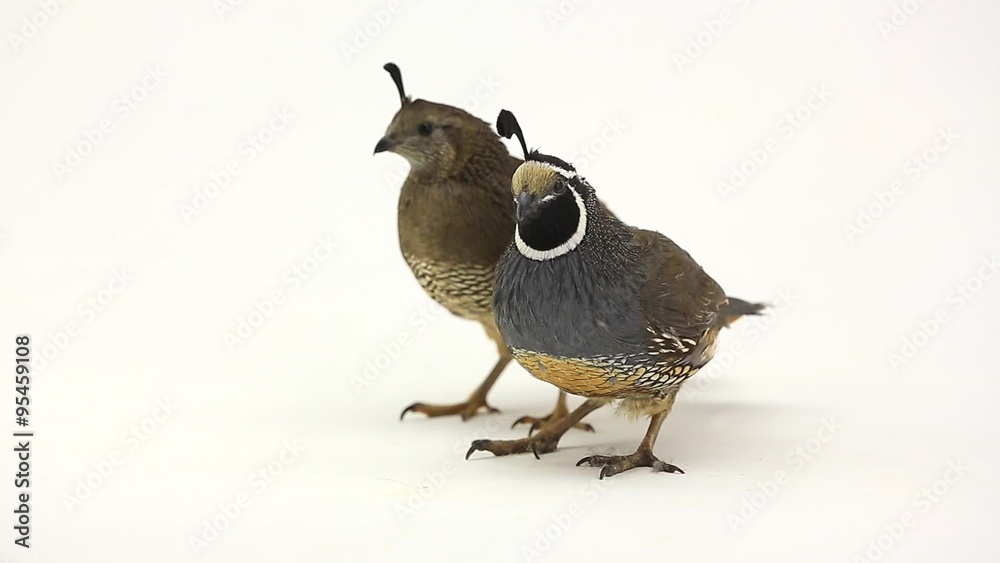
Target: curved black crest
x: 508, y: 126
x: 397, y: 77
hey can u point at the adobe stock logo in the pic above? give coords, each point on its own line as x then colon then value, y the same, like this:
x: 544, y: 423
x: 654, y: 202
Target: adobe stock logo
x: 790, y: 123
x: 35, y: 23
x: 929, y: 327
x: 229, y: 513
x: 121, y: 109
x: 254, y: 145
x: 558, y: 524
x: 598, y: 144
x: 923, y: 502
x: 796, y: 458
x: 698, y: 43
x: 912, y: 170
x: 224, y: 7
x: 105, y: 467
x: 564, y: 10
x: 899, y: 17
x: 291, y: 280
x: 87, y: 311
x: 389, y: 351
x: 366, y: 32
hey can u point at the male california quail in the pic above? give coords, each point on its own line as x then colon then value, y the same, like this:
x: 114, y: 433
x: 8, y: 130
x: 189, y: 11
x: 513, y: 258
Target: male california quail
x: 599, y: 308
x: 455, y: 220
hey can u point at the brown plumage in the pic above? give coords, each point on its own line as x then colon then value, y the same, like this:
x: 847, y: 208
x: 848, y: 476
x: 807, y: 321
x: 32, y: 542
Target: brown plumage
x: 455, y: 219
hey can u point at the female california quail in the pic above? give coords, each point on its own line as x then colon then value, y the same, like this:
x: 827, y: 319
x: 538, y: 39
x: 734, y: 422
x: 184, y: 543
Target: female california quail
x: 455, y: 220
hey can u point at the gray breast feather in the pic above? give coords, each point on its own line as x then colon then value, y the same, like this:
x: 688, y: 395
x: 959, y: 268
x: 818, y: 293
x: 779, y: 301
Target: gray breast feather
x: 566, y: 306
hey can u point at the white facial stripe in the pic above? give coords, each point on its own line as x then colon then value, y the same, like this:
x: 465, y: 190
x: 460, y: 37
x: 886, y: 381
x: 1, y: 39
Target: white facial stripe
x: 573, y: 242
x: 564, y: 173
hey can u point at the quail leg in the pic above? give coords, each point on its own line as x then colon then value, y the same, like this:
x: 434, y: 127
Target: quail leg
x: 542, y: 442
x: 471, y: 407
x: 560, y: 411
x: 643, y: 456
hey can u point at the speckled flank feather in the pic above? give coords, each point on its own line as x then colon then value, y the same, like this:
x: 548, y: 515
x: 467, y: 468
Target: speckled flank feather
x: 463, y: 289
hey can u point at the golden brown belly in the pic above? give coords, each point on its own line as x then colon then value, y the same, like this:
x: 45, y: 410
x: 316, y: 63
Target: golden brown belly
x: 603, y: 378
x: 572, y: 375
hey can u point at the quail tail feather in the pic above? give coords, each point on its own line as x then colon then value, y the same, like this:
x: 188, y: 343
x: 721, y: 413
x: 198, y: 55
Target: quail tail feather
x: 737, y: 308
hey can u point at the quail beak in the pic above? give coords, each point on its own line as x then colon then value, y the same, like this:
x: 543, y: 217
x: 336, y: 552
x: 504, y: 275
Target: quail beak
x: 525, y: 206
x: 384, y: 144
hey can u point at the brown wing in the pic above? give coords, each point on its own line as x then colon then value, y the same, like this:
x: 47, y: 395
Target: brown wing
x: 679, y: 298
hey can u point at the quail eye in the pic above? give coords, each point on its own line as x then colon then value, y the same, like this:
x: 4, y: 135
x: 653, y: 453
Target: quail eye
x: 559, y: 188
x: 424, y: 128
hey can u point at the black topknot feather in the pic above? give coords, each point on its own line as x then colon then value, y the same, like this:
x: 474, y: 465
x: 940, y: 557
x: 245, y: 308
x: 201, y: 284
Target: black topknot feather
x: 397, y: 77
x: 508, y: 126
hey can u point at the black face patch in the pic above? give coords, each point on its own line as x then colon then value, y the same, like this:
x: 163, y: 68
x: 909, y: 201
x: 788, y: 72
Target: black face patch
x: 554, y: 224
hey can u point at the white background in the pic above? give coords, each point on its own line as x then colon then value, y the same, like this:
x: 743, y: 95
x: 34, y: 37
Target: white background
x: 300, y: 377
